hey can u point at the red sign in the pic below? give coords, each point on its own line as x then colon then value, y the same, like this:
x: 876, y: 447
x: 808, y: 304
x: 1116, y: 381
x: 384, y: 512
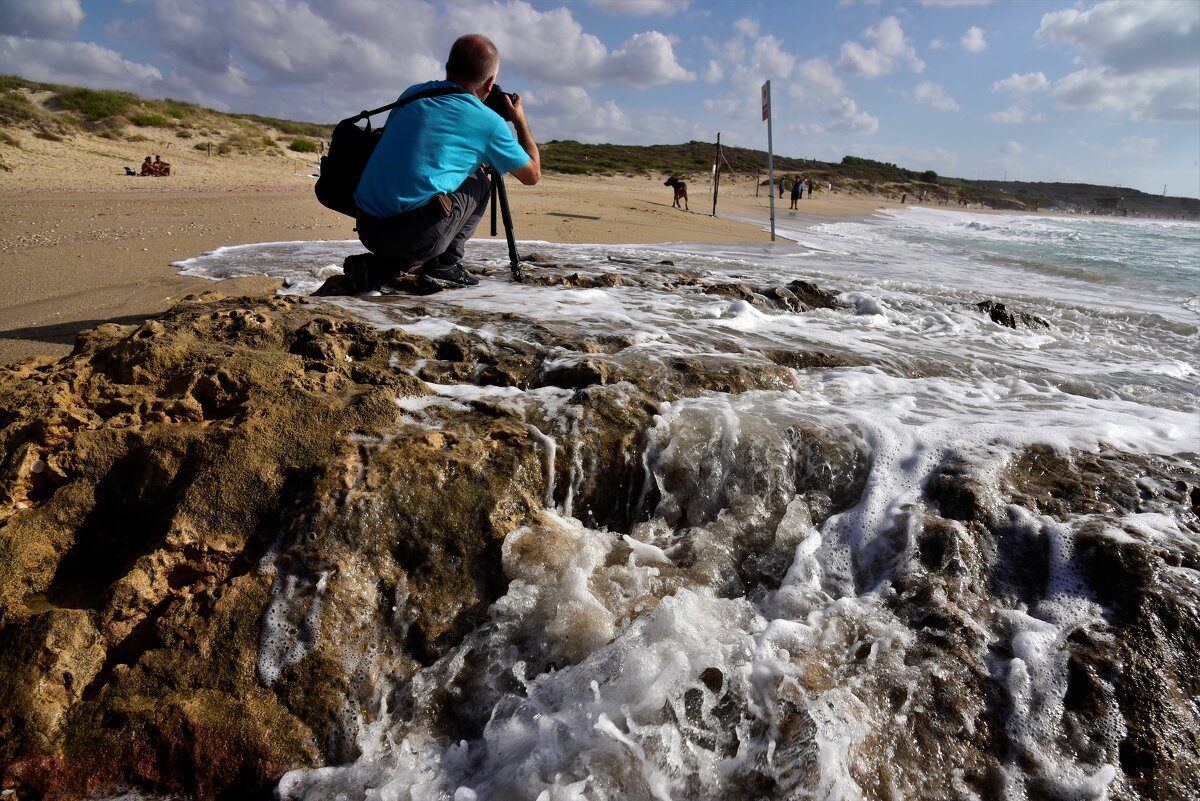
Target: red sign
x: 766, y: 100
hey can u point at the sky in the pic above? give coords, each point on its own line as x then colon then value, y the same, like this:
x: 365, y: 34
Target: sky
x: 1032, y: 90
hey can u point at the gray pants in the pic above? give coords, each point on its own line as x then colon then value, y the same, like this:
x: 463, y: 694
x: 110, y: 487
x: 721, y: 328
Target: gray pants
x: 423, y: 235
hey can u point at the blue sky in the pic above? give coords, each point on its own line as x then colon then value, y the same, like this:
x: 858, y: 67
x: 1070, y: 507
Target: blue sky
x: 1040, y: 90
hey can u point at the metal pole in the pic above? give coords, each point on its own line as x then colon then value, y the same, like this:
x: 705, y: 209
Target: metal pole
x: 500, y: 203
x: 766, y: 104
x: 716, y: 173
x: 514, y: 261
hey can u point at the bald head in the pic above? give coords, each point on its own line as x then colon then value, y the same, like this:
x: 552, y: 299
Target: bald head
x: 473, y: 60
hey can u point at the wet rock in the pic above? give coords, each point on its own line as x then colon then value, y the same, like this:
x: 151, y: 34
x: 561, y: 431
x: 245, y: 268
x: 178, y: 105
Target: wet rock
x: 812, y: 296
x: 1012, y: 318
x: 798, y: 296
x: 168, y: 454
x: 577, y: 375
x: 231, y: 533
x: 811, y: 359
x: 166, y: 487
x: 1080, y: 483
x: 732, y: 291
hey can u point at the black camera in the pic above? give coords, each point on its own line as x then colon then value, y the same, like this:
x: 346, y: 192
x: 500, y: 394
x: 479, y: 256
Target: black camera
x: 495, y: 101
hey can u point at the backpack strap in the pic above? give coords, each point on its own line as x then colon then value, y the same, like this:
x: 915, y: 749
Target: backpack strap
x: 435, y: 92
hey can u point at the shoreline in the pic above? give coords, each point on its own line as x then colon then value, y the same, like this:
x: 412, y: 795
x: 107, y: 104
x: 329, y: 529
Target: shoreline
x: 75, y: 258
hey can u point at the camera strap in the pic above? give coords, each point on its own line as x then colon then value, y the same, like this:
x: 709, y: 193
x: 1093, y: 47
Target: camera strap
x: 404, y: 101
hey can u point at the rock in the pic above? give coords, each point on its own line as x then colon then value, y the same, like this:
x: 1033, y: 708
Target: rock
x: 732, y: 291
x: 1002, y: 315
x: 812, y: 296
x: 166, y: 485
x: 230, y: 534
x: 171, y: 451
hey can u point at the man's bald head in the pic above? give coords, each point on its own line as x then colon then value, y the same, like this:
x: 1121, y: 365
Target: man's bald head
x: 473, y: 60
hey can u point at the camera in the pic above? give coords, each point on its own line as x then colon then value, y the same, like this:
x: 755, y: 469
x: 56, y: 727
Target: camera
x: 495, y: 101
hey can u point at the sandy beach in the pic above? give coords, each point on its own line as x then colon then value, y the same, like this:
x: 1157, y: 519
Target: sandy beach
x: 81, y: 243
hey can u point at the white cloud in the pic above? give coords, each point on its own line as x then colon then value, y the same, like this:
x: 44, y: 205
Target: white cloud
x: 1022, y: 84
x: 547, y: 46
x: 973, y: 41
x: 569, y: 112
x: 322, y: 59
x: 1013, y: 115
x: 551, y: 46
x: 863, y: 61
x: 891, y: 46
x: 816, y: 94
x: 1156, y: 95
x: 40, y: 19
x: 1136, y: 147
x: 1130, y: 35
x: 937, y: 44
x: 76, y: 63
x: 645, y: 60
x: 746, y: 27
x: 954, y: 2
x: 1012, y: 148
x: 849, y: 118
x: 764, y: 59
x: 713, y: 72
x: 934, y: 95
x: 641, y: 8
x: 815, y: 81
x: 1140, y: 58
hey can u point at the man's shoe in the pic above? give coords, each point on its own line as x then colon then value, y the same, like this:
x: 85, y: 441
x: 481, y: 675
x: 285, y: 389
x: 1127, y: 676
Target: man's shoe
x: 448, y: 274
x: 357, y: 269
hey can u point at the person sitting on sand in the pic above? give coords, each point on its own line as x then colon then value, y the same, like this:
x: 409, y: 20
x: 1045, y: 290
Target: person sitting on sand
x: 161, y: 167
x: 147, y: 167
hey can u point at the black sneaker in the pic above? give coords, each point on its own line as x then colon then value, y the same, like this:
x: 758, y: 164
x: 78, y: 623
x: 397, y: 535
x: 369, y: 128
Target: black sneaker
x: 448, y: 274
x: 357, y: 269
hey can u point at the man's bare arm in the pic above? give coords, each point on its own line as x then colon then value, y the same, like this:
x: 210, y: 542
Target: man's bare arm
x: 531, y: 173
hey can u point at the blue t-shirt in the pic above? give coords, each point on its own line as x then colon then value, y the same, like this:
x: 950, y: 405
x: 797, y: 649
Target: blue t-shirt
x: 431, y: 145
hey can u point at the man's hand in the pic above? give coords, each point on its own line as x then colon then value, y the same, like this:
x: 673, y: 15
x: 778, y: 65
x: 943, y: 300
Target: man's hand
x: 531, y: 173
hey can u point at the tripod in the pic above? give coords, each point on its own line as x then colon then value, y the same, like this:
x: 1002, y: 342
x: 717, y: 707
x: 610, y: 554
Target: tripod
x: 500, y: 198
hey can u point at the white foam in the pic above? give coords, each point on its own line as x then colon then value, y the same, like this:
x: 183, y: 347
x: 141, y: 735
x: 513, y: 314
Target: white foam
x: 629, y: 630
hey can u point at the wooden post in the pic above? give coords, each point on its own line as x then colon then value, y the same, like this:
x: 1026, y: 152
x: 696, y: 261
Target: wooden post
x: 716, y: 173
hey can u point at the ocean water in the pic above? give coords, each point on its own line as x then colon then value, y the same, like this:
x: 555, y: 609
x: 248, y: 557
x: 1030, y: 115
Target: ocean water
x: 637, y: 640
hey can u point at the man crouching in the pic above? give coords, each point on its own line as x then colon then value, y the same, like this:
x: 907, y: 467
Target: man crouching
x: 424, y: 190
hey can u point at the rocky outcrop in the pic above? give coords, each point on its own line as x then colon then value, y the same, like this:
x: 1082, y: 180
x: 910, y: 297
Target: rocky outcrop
x: 233, y: 536
x: 164, y: 486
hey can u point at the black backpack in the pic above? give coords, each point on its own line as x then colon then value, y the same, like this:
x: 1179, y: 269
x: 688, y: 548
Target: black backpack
x: 351, y: 147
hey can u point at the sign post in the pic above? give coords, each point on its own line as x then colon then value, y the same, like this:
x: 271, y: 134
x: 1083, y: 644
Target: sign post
x: 716, y: 173
x: 766, y: 115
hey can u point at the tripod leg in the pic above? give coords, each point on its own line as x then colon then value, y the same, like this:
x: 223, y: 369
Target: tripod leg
x: 514, y: 261
x: 495, y: 191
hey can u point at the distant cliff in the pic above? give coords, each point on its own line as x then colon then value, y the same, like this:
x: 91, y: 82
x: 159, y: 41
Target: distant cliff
x: 1086, y: 197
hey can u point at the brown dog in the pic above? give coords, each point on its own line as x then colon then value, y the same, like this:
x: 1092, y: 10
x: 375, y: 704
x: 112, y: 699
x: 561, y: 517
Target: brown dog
x: 680, y: 192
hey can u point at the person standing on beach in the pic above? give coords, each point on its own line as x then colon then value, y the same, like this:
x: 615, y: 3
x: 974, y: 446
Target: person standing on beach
x: 797, y: 190
x: 424, y: 190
